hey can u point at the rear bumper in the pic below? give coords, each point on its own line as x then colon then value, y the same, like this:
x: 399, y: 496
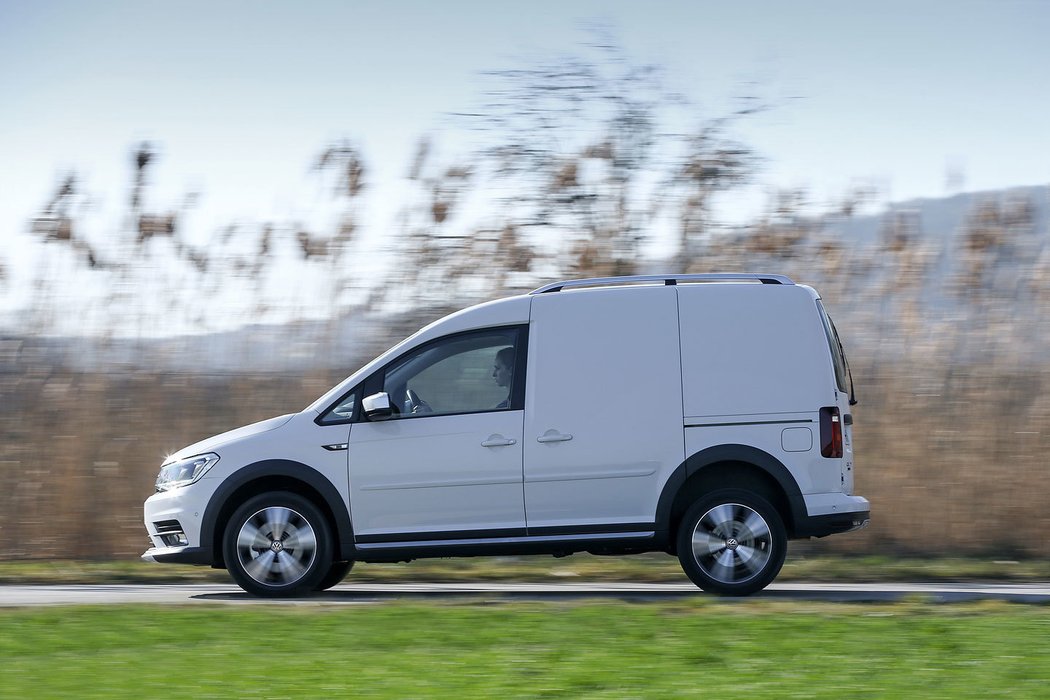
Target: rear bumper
x: 831, y: 514
x: 824, y: 525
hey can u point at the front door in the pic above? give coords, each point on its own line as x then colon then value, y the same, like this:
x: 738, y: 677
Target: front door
x: 448, y: 465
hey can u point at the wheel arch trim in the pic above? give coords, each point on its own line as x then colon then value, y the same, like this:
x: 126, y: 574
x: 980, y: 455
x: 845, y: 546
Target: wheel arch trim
x: 219, y: 507
x: 711, y: 456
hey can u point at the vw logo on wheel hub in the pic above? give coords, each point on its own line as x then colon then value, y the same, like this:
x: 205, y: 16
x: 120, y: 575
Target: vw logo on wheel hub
x: 277, y: 546
x: 731, y: 544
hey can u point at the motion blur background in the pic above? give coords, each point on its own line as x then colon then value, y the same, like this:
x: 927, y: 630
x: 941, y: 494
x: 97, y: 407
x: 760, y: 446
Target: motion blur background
x: 212, y: 212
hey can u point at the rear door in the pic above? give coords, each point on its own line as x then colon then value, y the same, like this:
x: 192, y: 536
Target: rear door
x: 603, y: 407
x: 844, y: 395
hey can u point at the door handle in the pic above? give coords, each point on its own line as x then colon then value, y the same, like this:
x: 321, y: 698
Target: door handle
x: 553, y: 436
x: 498, y: 441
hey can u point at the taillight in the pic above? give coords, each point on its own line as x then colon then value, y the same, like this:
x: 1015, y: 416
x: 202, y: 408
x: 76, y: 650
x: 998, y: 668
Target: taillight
x: 830, y: 432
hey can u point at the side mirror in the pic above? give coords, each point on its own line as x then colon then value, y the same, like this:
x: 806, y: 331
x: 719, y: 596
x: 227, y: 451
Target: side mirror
x: 377, y: 406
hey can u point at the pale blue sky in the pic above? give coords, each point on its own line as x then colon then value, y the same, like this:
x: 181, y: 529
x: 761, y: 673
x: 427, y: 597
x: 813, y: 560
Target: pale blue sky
x: 241, y: 96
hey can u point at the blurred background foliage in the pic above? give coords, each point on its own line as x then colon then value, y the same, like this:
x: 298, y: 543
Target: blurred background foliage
x: 136, y: 339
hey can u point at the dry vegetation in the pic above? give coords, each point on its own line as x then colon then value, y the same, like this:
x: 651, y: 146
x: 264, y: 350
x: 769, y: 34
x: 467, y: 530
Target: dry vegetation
x: 951, y: 431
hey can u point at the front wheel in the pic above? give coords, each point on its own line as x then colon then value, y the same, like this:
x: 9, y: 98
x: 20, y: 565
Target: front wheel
x: 277, y: 544
x: 336, y: 573
x: 732, y: 542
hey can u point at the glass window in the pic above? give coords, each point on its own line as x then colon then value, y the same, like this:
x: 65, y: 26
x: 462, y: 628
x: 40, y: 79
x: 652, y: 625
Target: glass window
x: 838, y: 359
x: 342, y: 411
x: 464, y: 373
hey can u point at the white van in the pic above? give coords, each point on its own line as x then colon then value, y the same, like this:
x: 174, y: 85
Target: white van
x: 706, y: 416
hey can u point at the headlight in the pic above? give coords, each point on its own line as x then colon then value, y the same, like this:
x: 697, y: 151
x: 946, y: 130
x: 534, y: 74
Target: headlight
x: 185, y: 471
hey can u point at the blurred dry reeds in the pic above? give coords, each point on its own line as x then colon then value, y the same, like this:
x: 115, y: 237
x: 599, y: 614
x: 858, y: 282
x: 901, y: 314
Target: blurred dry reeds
x: 951, y: 432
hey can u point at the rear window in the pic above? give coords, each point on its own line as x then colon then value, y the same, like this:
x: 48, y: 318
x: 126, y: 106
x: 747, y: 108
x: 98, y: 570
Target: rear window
x: 835, y: 346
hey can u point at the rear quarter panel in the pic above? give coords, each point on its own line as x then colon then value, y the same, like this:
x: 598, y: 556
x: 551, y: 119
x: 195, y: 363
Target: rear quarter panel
x: 752, y: 349
x: 812, y: 472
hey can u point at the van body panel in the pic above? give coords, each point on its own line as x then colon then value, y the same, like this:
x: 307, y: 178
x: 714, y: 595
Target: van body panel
x: 601, y: 371
x: 432, y: 474
x: 752, y: 349
x: 812, y: 472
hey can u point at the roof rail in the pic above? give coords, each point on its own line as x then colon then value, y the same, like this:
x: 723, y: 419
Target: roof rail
x: 666, y: 279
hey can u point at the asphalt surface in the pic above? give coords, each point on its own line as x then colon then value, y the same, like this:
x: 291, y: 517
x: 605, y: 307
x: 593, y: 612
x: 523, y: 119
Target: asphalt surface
x: 349, y: 593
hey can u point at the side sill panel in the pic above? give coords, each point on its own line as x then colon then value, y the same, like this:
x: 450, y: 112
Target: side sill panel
x: 595, y: 543
x: 507, y: 540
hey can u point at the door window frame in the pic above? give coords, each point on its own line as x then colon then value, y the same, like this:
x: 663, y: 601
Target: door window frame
x: 374, y: 382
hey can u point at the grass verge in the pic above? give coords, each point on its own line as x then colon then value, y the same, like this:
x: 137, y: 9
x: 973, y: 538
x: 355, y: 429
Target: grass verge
x: 584, y: 567
x: 592, y: 650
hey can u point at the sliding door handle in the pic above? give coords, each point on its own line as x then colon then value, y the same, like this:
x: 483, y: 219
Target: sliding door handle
x: 553, y: 436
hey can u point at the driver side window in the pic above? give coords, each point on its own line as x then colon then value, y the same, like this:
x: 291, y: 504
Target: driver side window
x: 464, y: 373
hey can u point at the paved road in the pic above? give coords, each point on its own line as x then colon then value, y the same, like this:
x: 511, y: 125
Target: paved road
x: 348, y: 593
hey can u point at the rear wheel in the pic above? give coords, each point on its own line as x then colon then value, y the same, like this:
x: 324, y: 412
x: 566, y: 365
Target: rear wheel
x: 732, y: 542
x: 277, y: 544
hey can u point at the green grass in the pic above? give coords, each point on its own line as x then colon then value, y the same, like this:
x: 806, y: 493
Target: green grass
x: 702, y: 648
x: 582, y: 567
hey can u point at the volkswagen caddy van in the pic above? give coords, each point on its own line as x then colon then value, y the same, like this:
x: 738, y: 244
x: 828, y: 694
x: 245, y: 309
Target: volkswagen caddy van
x: 705, y: 416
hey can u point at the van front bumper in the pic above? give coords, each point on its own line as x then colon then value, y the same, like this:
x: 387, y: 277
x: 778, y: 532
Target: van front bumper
x: 173, y: 522
x: 178, y: 555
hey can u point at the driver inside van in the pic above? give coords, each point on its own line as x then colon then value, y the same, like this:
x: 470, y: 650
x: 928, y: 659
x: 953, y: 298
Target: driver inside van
x: 502, y: 372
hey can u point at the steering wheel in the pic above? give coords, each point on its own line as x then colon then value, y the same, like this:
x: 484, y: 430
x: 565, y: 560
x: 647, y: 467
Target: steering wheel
x: 417, y: 405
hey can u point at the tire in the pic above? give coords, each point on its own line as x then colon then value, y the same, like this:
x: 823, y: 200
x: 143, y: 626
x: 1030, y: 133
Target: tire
x: 336, y: 573
x: 732, y: 542
x: 278, y: 544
